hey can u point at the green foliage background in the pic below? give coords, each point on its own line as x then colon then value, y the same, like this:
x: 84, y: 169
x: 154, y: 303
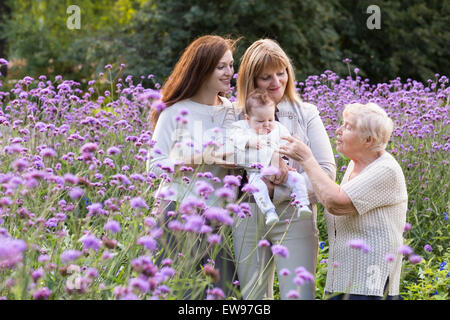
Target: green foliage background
x: 149, y: 36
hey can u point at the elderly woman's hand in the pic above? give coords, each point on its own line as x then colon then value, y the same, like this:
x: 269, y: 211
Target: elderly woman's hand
x: 279, y: 163
x: 296, y: 149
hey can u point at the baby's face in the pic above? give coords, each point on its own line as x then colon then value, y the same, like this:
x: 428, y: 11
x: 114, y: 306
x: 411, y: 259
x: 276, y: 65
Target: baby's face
x: 262, y: 120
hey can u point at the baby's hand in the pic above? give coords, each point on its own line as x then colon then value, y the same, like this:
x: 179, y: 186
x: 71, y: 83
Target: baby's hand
x: 254, y: 143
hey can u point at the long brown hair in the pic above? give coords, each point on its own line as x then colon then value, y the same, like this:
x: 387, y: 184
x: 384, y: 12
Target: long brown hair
x: 196, y: 64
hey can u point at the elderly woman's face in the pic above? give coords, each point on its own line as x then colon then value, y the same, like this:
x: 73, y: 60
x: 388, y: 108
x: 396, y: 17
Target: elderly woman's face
x: 274, y: 81
x: 348, y: 141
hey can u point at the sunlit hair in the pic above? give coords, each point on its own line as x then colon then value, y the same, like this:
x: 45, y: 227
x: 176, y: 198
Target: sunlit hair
x: 193, y: 68
x: 371, y: 121
x: 263, y: 56
x: 258, y: 98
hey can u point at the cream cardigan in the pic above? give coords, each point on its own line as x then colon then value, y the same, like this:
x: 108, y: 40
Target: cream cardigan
x: 379, y: 195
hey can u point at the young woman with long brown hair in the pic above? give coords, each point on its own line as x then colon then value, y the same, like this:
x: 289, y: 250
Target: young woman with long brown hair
x: 194, y: 95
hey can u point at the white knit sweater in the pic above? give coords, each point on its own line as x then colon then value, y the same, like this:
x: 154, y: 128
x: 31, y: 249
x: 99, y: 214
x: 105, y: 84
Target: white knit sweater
x: 174, y: 139
x: 379, y: 195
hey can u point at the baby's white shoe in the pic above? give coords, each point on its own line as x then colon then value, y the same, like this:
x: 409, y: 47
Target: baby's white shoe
x: 304, y: 212
x: 271, y: 218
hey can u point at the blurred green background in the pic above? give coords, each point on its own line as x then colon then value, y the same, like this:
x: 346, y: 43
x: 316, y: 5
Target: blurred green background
x: 149, y: 36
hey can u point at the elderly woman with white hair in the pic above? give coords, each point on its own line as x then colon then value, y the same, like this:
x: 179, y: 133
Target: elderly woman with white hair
x: 366, y: 213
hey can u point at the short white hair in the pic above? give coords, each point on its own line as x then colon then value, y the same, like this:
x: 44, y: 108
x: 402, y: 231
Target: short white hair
x: 371, y: 121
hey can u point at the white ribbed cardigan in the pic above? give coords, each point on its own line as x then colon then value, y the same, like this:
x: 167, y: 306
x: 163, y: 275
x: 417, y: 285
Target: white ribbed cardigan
x: 380, y: 196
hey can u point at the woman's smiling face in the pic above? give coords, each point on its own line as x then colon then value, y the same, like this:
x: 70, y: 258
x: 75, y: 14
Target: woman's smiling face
x: 220, y: 79
x: 274, y: 81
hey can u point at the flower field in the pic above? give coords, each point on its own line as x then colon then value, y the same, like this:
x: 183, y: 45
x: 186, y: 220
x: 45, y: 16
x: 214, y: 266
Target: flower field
x: 77, y: 212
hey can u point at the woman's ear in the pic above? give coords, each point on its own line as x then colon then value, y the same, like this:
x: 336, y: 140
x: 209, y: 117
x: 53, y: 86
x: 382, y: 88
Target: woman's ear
x: 369, y: 141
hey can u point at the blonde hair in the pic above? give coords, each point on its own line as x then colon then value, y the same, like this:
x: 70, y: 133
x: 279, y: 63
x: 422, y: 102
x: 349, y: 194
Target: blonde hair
x: 263, y: 54
x: 371, y: 121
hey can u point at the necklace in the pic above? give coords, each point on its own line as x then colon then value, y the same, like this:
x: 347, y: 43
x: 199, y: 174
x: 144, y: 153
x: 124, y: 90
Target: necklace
x: 217, y: 106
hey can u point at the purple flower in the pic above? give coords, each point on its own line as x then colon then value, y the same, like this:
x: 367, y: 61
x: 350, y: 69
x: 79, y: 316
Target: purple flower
x: 96, y: 209
x: 43, y: 258
x: 175, y: 225
x: 225, y: 192
x: 280, y: 250
x: 263, y: 243
x: 138, y: 203
x: 89, y: 148
x: 36, y: 274
x: 76, y: 193
x: 405, y: 250
x: 414, y: 259
x: 270, y: 171
x: 91, y: 242
x: 112, y: 226
x: 215, y: 293
x: 190, y: 205
x: 303, y: 276
x: 5, y: 202
x: 42, y: 294
x: 51, y: 223
x: 293, y: 294
x: 194, y: 223
x: 19, y: 165
x: 148, y: 242
x: 219, y: 214
x: 428, y: 248
x: 48, y: 152
x: 284, y: 272
x: 359, y: 244
x: 70, y: 178
x: 249, y: 188
x: 113, y: 151
x: 389, y: 257
x: 11, y: 251
x: 214, y: 239
x: 140, y: 284
x: 407, y: 226
x: 203, y: 189
x: 70, y: 255
x: 231, y: 181
x: 3, y: 62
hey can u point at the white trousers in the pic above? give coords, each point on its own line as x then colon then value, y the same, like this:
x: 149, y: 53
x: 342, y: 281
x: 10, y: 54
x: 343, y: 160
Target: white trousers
x: 295, y: 181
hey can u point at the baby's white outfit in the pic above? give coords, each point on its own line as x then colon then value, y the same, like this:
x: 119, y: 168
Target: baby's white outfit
x: 240, y: 134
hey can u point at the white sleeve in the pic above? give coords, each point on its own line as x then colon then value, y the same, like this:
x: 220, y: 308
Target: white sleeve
x: 171, y: 142
x: 284, y: 132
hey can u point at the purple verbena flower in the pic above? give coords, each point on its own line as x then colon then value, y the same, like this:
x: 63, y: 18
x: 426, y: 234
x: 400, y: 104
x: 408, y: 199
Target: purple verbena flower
x: 112, y: 225
x: 280, y: 250
x: 91, y: 242
x: 70, y: 255
x: 42, y: 294
x: 138, y: 203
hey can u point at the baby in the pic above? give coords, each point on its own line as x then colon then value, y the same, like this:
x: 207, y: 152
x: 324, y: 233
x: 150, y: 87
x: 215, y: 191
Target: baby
x: 260, y: 133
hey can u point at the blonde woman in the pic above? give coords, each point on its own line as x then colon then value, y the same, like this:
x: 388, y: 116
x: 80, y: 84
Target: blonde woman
x: 366, y: 213
x: 266, y: 66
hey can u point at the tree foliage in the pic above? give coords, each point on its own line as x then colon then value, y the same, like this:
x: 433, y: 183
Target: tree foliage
x: 149, y: 36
